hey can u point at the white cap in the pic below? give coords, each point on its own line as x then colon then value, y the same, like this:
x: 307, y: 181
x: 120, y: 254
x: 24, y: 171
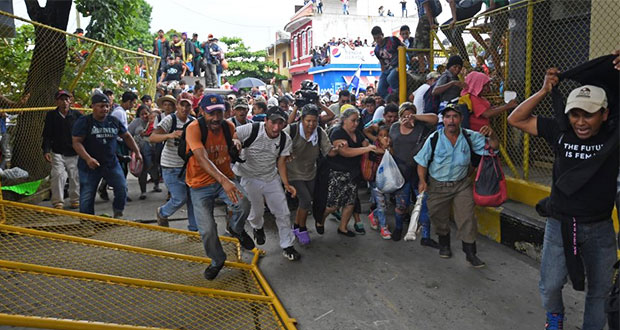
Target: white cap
x: 588, y: 98
x: 334, y: 98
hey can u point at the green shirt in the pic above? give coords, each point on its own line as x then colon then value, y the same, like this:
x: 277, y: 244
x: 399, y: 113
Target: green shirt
x: 304, y: 155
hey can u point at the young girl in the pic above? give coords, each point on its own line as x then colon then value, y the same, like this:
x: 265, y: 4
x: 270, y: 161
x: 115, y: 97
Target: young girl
x: 383, y: 143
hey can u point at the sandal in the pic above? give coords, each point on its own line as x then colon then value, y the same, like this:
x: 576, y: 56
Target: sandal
x: 348, y: 233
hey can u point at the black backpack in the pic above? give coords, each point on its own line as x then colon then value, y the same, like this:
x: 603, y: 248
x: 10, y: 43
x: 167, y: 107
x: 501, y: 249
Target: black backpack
x: 204, y: 133
x: 254, y: 135
x: 474, y: 157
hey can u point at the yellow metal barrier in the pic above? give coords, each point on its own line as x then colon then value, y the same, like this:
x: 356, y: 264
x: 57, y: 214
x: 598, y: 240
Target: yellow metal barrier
x: 144, y: 270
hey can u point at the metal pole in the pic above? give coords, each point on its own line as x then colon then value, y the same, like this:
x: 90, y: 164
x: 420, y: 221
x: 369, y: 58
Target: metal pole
x: 402, y: 75
x: 91, y: 54
x: 528, y: 84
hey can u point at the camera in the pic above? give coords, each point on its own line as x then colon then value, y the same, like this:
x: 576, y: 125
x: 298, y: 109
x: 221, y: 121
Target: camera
x: 309, y: 93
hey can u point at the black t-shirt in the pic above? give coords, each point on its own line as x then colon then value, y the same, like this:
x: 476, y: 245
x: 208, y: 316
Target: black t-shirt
x: 405, y: 147
x: 173, y: 72
x: 346, y: 164
x: 595, y: 200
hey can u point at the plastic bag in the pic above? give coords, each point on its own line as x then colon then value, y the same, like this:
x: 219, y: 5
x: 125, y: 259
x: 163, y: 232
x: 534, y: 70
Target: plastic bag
x: 388, y: 178
x: 135, y: 165
x: 490, y: 184
x: 415, y: 216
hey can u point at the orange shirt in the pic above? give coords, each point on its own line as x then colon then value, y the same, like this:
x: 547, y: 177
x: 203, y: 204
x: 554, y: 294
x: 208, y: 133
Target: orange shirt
x: 217, y: 151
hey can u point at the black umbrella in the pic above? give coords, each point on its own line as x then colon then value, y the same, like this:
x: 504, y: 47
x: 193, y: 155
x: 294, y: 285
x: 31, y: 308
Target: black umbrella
x: 249, y: 83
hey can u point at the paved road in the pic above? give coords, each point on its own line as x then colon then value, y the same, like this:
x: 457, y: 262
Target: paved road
x: 368, y: 283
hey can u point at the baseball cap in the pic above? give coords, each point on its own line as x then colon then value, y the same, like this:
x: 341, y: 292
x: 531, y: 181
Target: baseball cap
x: 60, y: 93
x: 212, y: 102
x: 99, y: 98
x: 588, y: 98
x: 210, y: 36
x: 432, y: 75
x: 346, y: 107
x: 275, y: 113
x: 181, y: 100
x: 334, y: 98
x: 449, y: 106
x: 241, y: 103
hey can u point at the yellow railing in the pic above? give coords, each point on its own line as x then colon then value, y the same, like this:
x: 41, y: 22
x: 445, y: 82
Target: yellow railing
x: 123, y: 275
x: 535, y: 35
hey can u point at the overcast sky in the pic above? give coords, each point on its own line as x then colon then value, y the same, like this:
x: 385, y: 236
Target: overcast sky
x: 256, y: 22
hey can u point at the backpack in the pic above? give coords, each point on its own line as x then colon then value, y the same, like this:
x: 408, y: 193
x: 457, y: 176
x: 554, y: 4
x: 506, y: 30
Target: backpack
x: 431, y: 102
x: 436, y: 7
x: 254, y: 135
x: 204, y: 133
x: 490, y: 184
x: 474, y: 158
x: 295, y: 128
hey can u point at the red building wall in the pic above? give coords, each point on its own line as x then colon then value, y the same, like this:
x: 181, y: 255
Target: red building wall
x: 301, y: 45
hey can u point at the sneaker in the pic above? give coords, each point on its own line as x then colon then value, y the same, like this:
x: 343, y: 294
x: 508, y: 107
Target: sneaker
x: 212, y: 271
x: 555, y: 321
x: 156, y: 188
x: 385, y: 233
x: 74, y: 205
x: 118, y: 214
x: 244, y: 239
x: 291, y: 254
x: 373, y: 222
x: 59, y: 206
x: 161, y: 221
x: 259, y: 236
x: 143, y: 196
x: 359, y: 228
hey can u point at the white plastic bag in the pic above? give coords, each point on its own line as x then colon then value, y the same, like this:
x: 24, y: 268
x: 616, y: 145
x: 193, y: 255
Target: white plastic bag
x: 389, y: 179
x: 415, y: 216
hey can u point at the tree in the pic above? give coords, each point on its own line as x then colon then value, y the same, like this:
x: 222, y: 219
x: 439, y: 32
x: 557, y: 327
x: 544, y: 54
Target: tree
x: 123, y: 23
x: 243, y: 63
x: 44, y: 74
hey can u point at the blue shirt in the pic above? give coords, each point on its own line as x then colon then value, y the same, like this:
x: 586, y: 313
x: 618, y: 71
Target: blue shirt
x: 450, y: 163
x: 100, y: 141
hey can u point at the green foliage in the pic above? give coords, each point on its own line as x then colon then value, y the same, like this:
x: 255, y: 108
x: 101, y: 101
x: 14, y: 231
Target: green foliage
x: 15, y: 55
x: 244, y: 63
x: 123, y: 23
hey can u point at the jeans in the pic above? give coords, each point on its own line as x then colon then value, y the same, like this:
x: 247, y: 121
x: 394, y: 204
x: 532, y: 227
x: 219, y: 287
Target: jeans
x: 203, y: 200
x: 597, y: 243
x: 403, y: 200
x: 455, y: 35
x: 89, y: 179
x: 378, y: 198
x: 389, y: 77
x: 179, y: 195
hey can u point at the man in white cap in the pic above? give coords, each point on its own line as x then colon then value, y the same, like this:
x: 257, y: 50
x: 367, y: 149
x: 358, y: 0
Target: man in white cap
x: 579, y: 233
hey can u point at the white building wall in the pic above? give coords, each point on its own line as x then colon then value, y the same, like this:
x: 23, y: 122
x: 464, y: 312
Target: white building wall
x: 327, y: 26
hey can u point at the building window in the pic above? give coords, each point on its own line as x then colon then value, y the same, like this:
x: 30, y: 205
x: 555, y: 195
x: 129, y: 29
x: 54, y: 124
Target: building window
x: 309, y: 41
x: 304, y: 50
x: 295, y: 48
x: 283, y: 59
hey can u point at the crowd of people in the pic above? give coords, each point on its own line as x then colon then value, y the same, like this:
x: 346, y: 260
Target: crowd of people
x: 316, y: 150
x: 189, y: 57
